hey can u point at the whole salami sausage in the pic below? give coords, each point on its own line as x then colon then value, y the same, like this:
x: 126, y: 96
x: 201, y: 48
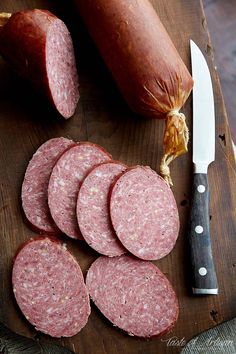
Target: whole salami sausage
x: 34, y: 193
x: 145, y: 64
x: 49, y: 287
x: 144, y: 213
x: 39, y: 47
x: 134, y: 295
x: 93, y: 212
x: 65, y: 181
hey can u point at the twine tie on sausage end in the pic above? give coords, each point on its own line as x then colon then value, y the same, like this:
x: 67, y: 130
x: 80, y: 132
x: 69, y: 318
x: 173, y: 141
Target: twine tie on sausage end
x: 4, y: 17
x: 176, y: 138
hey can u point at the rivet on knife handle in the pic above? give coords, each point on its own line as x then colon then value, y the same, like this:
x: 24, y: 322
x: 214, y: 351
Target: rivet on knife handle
x: 204, y: 275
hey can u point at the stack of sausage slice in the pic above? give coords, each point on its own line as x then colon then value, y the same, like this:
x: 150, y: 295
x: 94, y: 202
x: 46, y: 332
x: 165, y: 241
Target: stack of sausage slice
x: 77, y: 189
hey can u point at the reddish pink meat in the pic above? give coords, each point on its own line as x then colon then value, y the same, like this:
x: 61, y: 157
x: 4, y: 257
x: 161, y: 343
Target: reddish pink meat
x: 65, y: 181
x: 34, y: 192
x: 144, y: 213
x: 49, y: 288
x: 61, y: 69
x: 133, y: 294
x: 93, y: 209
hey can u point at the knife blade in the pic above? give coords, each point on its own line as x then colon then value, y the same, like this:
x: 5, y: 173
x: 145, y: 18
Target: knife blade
x: 203, y: 270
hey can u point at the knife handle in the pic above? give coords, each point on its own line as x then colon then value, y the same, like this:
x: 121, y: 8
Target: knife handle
x: 204, y: 276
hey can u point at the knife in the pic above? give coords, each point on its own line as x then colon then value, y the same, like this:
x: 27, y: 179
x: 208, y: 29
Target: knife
x: 204, y: 276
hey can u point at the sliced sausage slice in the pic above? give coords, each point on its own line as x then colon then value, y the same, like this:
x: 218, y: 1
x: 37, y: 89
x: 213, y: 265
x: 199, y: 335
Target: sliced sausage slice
x: 144, y: 213
x: 39, y: 47
x: 133, y: 294
x: 34, y: 192
x: 65, y: 181
x: 93, y: 209
x: 49, y: 288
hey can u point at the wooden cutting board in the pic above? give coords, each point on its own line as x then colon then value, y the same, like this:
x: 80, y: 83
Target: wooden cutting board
x: 26, y: 121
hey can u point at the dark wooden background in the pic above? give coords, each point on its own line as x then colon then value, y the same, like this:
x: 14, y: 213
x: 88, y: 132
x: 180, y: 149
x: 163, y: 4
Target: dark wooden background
x: 26, y: 121
x: 221, y: 20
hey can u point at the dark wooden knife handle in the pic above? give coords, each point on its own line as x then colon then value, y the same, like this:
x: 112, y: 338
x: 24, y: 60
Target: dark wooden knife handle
x: 204, y: 276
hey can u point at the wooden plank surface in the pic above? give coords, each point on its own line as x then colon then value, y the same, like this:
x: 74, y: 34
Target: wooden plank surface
x: 26, y: 121
x: 221, y: 19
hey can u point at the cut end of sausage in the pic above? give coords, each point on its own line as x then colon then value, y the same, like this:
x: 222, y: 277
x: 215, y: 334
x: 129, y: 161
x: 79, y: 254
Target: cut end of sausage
x: 134, y: 295
x: 144, y: 213
x: 61, y: 69
x: 49, y: 288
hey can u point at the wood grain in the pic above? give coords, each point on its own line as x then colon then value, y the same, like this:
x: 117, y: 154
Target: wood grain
x: 200, y: 241
x: 26, y: 121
